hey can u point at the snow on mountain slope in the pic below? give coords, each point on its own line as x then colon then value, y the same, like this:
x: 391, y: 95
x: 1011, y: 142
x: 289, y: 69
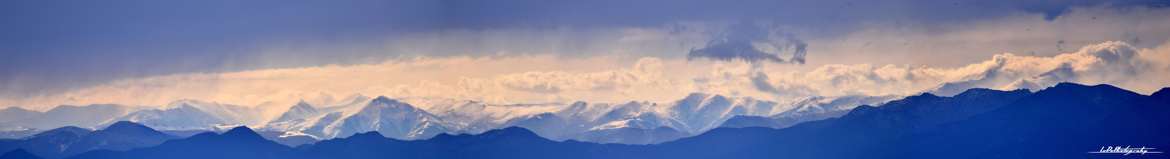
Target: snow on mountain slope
x: 635, y: 122
x: 630, y: 122
x: 473, y: 117
x: 194, y: 115
x: 592, y: 121
x: 392, y: 119
x: 808, y: 109
x: 177, y: 118
x: 232, y: 113
x: 701, y: 112
x: 318, y: 122
x: 818, y: 105
x: 640, y: 115
x: 299, y: 111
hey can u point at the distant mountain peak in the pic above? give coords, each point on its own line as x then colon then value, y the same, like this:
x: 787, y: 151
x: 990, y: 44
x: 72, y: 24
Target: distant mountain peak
x: 975, y: 92
x: 383, y: 102
x: 511, y: 131
x: 1077, y: 86
x: 368, y: 135
x: 1066, y: 87
x: 126, y: 125
x: 72, y: 130
x: 502, y: 133
x: 635, y: 103
x: 298, y: 111
x: 579, y: 103
x: 184, y: 102
x: 719, y: 97
x: 303, y: 105
x: 917, y: 98
x: 924, y: 95
x: 383, y: 99
x: 182, y: 106
x: 861, y: 110
x: 63, y: 107
x: 242, y: 132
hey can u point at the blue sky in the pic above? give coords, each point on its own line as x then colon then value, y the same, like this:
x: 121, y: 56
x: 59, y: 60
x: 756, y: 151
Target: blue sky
x: 54, y: 48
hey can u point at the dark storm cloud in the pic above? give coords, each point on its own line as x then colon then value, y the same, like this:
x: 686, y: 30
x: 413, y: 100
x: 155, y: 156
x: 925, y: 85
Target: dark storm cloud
x: 53, y: 44
x: 751, y: 43
x: 56, y: 44
x: 829, y: 14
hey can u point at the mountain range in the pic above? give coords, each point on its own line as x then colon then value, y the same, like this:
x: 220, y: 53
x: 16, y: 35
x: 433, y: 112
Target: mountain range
x: 17, y: 119
x: 67, y: 141
x: 1064, y: 121
x: 422, y: 118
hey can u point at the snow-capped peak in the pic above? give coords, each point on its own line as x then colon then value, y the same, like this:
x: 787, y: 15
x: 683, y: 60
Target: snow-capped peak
x: 299, y: 111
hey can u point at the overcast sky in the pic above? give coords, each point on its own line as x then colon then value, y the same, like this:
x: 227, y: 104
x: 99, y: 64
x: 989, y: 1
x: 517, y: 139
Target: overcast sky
x: 149, y: 52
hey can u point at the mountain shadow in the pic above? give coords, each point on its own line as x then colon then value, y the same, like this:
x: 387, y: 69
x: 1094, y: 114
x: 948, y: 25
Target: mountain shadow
x: 18, y: 154
x: 239, y: 142
x: 66, y: 141
x: 1064, y: 121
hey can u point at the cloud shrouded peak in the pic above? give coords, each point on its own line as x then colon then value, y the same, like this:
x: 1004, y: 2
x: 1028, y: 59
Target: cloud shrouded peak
x: 1114, y: 62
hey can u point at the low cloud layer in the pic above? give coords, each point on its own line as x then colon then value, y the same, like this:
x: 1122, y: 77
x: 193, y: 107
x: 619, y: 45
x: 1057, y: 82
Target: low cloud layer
x: 1140, y: 69
x: 611, y: 79
x: 1107, y: 63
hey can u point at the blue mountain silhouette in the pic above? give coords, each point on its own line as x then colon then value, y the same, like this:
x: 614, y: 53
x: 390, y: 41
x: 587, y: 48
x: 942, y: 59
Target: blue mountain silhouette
x: 18, y: 154
x: 239, y: 142
x: 66, y: 141
x: 1064, y: 121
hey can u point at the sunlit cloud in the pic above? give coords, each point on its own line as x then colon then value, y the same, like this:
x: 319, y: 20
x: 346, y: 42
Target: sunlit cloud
x: 650, y: 63
x: 544, y: 79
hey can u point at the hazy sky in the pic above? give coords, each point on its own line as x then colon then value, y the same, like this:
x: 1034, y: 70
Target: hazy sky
x: 150, y: 52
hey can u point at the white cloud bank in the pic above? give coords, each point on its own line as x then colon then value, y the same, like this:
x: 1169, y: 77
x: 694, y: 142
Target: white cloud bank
x: 623, y: 64
x: 538, y: 79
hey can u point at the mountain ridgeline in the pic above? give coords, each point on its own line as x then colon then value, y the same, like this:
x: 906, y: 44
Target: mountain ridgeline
x: 635, y: 122
x: 1064, y: 121
x: 67, y: 141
